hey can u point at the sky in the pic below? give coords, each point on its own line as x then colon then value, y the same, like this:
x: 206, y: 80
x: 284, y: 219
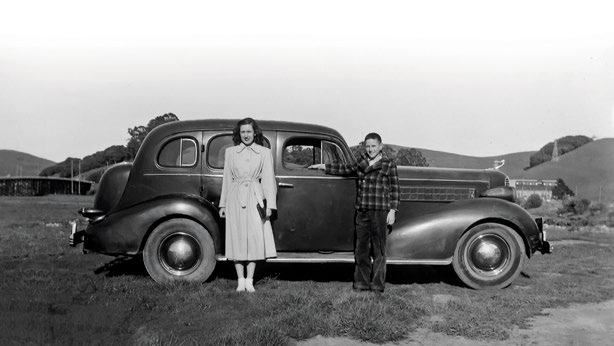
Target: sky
x: 479, y: 78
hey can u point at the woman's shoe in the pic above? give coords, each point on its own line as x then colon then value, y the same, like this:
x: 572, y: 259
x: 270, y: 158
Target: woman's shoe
x: 241, y: 285
x: 249, y: 285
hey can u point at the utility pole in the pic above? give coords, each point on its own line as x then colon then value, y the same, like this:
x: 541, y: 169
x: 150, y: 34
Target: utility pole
x: 599, y: 194
x: 79, y: 177
x: 72, y: 190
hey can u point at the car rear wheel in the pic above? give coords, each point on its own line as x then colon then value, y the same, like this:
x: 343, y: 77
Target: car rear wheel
x: 489, y: 255
x: 179, y: 250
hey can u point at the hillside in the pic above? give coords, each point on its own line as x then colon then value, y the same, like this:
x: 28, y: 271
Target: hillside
x: 584, y: 170
x: 587, y: 168
x: 15, y: 163
x: 514, y: 163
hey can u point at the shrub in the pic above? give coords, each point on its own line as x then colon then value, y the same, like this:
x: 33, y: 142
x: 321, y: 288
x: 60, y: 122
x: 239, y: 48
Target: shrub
x: 597, y: 208
x: 575, y: 205
x: 534, y: 201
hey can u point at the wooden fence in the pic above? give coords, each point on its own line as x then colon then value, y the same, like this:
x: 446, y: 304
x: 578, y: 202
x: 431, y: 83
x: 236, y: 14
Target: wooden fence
x: 40, y: 186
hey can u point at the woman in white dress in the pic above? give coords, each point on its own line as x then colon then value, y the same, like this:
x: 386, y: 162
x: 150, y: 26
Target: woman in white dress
x: 249, y: 179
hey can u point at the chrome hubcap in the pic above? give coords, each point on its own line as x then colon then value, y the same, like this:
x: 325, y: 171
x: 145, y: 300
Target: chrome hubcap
x: 180, y: 253
x: 489, y: 254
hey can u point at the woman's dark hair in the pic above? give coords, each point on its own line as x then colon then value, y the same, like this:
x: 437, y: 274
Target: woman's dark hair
x: 236, y: 135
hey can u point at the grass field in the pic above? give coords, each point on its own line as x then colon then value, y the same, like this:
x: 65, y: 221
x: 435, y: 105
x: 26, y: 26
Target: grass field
x: 53, y: 294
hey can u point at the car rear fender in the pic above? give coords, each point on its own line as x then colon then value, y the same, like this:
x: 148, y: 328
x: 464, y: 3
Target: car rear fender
x: 126, y: 231
x: 184, y: 206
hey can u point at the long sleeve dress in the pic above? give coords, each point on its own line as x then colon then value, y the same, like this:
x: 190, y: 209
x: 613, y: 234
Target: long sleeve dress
x: 249, y: 178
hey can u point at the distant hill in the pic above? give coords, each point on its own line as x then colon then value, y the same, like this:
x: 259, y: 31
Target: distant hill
x: 15, y: 163
x: 588, y: 167
x: 584, y: 170
x: 514, y: 163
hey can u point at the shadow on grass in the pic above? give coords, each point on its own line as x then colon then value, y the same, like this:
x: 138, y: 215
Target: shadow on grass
x: 318, y: 272
x: 123, y: 265
x: 343, y: 272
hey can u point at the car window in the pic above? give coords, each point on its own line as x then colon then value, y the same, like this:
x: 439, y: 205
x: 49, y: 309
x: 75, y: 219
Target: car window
x: 217, y: 149
x: 180, y: 152
x: 300, y: 153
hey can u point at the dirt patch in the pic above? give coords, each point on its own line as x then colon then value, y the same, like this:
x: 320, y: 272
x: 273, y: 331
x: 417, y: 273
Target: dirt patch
x: 582, y: 324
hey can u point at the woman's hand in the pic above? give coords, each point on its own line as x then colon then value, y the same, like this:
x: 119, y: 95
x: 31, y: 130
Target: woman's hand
x: 223, y: 212
x: 269, y: 212
x: 391, y: 218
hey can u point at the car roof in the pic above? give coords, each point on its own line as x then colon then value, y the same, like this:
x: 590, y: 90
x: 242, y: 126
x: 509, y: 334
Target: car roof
x: 225, y: 124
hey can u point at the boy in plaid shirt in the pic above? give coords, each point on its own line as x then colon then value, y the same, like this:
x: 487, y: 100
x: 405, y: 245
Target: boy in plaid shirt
x: 377, y: 202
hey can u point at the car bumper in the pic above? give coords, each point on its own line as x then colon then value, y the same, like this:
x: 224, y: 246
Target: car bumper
x: 77, y: 235
x: 543, y: 246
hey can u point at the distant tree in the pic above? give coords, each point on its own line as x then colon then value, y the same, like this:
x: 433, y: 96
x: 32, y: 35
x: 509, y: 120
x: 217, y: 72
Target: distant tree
x: 534, y: 201
x: 389, y: 151
x: 298, y: 154
x: 410, y: 157
x: 402, y: 157
x: 138, y: 133
x: 561, y: 190
x: 109, y: 156
x: 62, y: 169
x: 564, y: 145
x: 357, y: 149
x: 575, y: 205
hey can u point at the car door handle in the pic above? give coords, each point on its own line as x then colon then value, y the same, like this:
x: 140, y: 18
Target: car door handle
x: 285, y: 185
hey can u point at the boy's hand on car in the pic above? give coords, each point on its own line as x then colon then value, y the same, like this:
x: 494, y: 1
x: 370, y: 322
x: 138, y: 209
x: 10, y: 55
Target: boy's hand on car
x: 317, y: 166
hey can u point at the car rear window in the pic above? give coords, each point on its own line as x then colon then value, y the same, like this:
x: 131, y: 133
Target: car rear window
x: 179, y: 152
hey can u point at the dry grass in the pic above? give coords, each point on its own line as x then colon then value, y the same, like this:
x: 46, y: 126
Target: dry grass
x: 52, y: 294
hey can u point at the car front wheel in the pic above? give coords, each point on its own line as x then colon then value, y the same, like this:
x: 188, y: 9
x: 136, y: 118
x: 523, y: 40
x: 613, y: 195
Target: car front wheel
x: 489, y: 255
x: 179, y: 250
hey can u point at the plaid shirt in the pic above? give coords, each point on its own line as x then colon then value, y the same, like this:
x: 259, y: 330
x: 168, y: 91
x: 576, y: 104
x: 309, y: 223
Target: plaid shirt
x: 378, y: 185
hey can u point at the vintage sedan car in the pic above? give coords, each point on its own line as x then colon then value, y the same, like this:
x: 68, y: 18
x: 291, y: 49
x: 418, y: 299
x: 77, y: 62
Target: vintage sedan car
x: 164, y: 205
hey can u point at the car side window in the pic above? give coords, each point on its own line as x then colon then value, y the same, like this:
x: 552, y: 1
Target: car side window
x: 179, y: 152
x: 300, y: 153
x: 217, y: 149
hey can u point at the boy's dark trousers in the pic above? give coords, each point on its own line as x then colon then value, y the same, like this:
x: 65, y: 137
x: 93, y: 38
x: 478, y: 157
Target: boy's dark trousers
x: 371, y: 232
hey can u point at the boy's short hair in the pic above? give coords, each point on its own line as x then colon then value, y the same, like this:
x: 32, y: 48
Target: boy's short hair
x: 373, y: 135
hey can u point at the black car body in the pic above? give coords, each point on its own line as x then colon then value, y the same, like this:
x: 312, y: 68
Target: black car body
x: 164, y: 205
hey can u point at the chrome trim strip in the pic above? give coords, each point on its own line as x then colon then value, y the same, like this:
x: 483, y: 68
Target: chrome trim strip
x: 442, y: 262
x: 221, y: 176
x: 327, y: 177
x: 172, y: 174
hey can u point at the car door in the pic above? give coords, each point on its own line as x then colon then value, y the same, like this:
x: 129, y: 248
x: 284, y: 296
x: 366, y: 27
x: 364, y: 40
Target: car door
x: 315, y: 211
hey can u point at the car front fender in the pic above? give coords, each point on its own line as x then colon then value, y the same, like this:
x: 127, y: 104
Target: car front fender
x: 125, y: 231
x: 433, y: 237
